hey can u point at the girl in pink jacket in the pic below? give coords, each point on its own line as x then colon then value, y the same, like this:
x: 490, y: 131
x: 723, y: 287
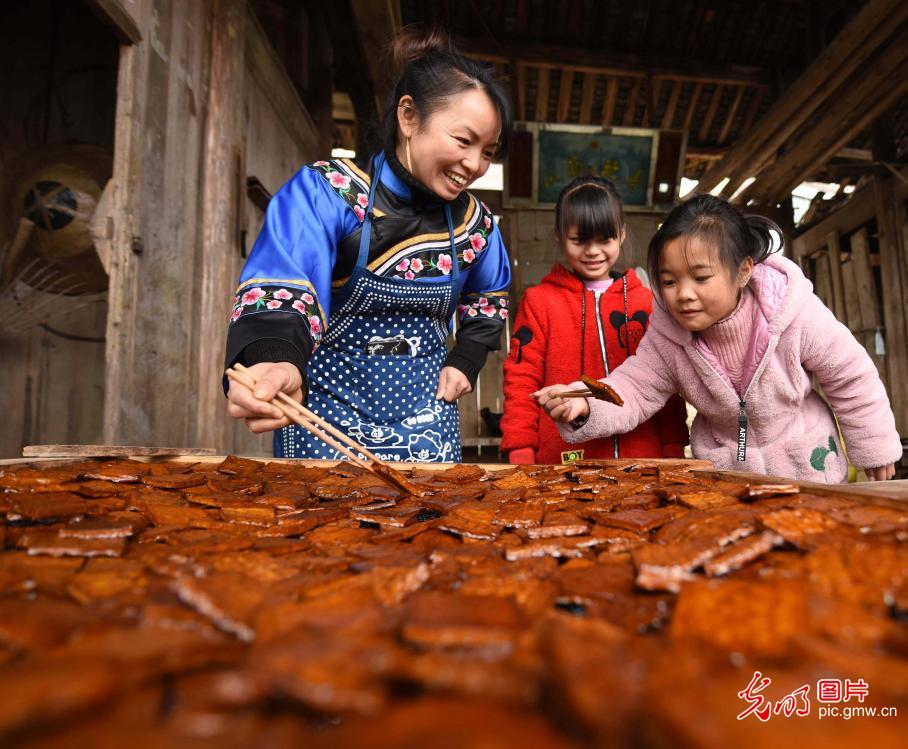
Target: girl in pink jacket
x: 738, y: 332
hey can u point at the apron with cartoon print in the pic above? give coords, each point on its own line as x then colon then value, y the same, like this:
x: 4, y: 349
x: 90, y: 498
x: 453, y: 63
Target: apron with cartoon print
x: 375, y: 374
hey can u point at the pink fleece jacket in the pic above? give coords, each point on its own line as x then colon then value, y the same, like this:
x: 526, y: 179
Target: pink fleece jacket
x: 790, y: 429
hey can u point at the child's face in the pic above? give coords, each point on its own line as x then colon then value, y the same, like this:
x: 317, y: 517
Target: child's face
x: 697, y: 288
x: 590, y: 260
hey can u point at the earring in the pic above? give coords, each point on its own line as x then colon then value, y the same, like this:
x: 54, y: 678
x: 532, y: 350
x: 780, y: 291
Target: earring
x: 407, y: 150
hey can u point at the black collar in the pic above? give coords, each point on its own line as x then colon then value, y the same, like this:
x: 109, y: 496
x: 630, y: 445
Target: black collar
x: 421, y: 194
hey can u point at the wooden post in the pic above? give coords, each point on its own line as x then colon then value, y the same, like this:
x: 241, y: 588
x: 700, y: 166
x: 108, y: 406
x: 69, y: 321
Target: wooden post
x: 223, y: 138
x: 542, y: 95
x: 895, y: 299
x: 835, y: 272
x: 867, y: 296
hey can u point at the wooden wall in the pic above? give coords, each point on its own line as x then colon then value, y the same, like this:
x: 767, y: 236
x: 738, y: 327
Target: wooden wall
x: 201, y: 102
x: 857, y: 259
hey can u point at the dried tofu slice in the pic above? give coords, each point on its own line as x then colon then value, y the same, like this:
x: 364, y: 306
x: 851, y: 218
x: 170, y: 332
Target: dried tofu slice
x: 601, y: 391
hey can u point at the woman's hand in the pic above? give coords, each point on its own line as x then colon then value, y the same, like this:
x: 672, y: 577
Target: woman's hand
x: 561, y: 409
x: 452, y: 383
x: 255, y: 408
x: 881, y: 473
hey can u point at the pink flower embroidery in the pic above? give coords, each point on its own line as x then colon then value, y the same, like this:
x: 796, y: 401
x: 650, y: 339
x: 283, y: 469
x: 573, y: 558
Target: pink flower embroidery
x: 487, y: 222
x: 363, y: 200
x: 477, y: 241
x: 402, y: 265
x: 483, y: 301
x: 488, y: 311
x: 463, y: 309
x: 299, y: 307
x: 308, y: 298
x: 444, y: 263
x: 320, y: 163
x: 360, y: 213
x: 469, y: 256
x: 236, y: 314
x: 472, y: 312
x: 503, y: 313
x: 409, y: 275
x: 338, y: 180
x: 283, y: 294
x: 315, y: 325
x: 273, y: 304
x: 252, y: 296
x: 416, y: 265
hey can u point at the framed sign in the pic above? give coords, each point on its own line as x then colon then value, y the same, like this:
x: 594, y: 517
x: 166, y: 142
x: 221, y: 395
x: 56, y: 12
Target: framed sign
x: 544, y: 158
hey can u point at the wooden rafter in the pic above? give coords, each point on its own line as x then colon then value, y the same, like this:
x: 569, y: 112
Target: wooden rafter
x: 584, y: 60
x: 849, y: 51
x: 730, y: 117
x: 669, y: 115
x: 586, y: 98
x: 848, y: 111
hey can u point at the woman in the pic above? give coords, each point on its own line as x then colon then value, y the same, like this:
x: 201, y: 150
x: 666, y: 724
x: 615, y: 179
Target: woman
x: 347, y: 297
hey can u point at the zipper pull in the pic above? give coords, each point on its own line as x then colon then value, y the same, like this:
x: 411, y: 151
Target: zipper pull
x: 742, y: 433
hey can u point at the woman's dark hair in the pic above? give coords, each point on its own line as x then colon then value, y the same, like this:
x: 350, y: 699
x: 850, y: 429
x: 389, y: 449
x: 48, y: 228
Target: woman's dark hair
x: 591, y: 204
x: 719, y: 225
x: 433, y: 71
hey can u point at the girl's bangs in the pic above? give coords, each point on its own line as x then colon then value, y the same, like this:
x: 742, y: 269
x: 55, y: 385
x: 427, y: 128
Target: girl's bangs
x: 594, y: 214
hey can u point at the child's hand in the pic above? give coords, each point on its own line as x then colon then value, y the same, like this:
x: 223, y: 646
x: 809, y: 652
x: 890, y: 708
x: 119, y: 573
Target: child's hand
x: 881, y: 473
x: 561, y: 409
x: 255, y: 407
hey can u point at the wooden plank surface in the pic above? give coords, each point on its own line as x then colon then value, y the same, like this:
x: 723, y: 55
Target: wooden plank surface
x: 884, y: 493
x: 110, y: 451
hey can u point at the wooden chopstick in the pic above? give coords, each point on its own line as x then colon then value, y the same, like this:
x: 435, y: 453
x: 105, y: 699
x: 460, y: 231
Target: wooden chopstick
x: 242, y: 375
x: 312, y: 416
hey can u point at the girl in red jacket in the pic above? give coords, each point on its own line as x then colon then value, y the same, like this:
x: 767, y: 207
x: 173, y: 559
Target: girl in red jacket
x: 583, y: 318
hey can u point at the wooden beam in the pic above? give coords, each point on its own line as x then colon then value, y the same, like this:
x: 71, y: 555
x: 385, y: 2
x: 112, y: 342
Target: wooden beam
x: 692, y: 105
x: 711, y: 110
x: 653, y: 90
x: 858, y: 105
x: 265, y: 66
x: 753, y: 108
x: 376, y: 23
x: 122, y: 18
x: 630, y: 112
x: 586, y: 98
x: 608, y: 104
x: 564, y: 95
x: 554, y: 56
x: 520, y: 100
x: 869, y: 29
x: 730, y: 117
x: 542, y: 95
x: 669, y: 115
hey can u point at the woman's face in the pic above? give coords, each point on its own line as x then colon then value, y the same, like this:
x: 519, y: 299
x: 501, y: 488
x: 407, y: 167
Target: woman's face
x: 454, y: 146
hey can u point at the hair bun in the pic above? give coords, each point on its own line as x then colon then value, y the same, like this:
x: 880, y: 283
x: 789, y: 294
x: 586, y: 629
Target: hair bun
x: 416, y: 41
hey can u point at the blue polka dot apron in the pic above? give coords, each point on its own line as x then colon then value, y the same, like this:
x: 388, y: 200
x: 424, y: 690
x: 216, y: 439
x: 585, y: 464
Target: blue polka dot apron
x: 375, y: 374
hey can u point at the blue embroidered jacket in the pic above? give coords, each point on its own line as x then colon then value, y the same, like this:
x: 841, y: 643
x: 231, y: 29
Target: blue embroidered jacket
x: 309, y: 243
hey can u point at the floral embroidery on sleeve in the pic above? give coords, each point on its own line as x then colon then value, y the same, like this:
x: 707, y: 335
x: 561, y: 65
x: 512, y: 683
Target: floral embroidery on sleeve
x: 292, y: 300
x: 349, y: 185
x: 494, y: 306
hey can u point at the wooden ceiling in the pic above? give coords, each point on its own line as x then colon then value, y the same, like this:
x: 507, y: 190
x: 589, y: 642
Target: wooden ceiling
x: 712, y: 67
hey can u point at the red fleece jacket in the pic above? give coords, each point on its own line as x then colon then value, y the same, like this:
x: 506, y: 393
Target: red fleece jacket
x: 555, y: 341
